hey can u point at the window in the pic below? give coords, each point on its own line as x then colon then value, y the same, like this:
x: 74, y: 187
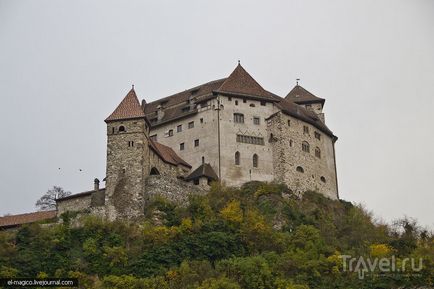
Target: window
x: 121, y: 128
x: 153, y: 137
x: 290, y: 142
x: 179, y: 128
x: 256, y: 120
x: 113, y: 130
x: 255, y: 160
x: 196, y: 142
x: 305, y: 147
x: 203, y: 159
x: 196, y: 182
x: 191, y: 124
x: 238, y: 118
x: 181, y: 146
x: 317, y: 135
x: 130, y: 143
x: 250, y: 139
x: 244, y: 100
x: 230, y: 98
x: 323, y: 179
x: 289, y: 122
x: 317, y: 152
x: 252, y: 105
x: 263, y: 103
x: 237, y: 158
x: 201, y: 120
x: 154, y: 172
x: 305, y: 129
x: 300, y: 169
x: 170, y: 133
x: 236, y: 102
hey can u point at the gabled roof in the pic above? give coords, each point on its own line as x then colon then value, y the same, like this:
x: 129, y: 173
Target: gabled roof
x: 167, y: 154
x: 240, y: 82
x: 199, y: 91
x: 204, y: 170
x: 129, y: 108
x: 16, y: 220
x: 300, y: 95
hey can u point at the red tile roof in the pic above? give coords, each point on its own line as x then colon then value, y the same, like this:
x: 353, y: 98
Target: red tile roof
x: 128, y: 108
x: 300, y: 95
x: 16, y: 220
x: 241, y: 82
x: 167, y: 154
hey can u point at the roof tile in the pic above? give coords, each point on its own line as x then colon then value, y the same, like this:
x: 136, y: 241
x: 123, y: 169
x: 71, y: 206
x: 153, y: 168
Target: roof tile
x: 128, y: 108
x: 15, y: 220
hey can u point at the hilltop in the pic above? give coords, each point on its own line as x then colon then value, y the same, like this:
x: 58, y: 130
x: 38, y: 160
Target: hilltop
x: 258, y: 236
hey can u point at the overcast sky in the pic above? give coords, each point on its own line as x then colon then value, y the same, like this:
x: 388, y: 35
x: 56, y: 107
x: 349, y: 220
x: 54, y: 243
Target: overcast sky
x: 65, y: 66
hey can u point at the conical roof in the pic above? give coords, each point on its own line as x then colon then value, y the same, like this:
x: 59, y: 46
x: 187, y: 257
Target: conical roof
x: 300, y: 95
x: 241, y: 82
x: 128, y: 108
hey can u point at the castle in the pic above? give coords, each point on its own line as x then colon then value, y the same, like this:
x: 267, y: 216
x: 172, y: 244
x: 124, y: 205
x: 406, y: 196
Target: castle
x: 229, y: 130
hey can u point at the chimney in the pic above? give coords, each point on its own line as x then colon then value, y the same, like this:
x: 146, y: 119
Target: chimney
x: 96, y: 185
x: 160, y: 112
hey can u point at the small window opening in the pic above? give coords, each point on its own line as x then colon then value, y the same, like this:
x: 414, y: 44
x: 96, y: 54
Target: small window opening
x: 236, y: 102
x: 300, y: 169
x: 237, y: 158
x: 201, y: 120
x: 255, y: 160
x: 121, y: 128
x: 154, y: 172
x: 305, y: 147
x: 323, y: 179
x: 181, y: 146
x: 203, y: 159
x: 196, y: 142
x: 263, y: 103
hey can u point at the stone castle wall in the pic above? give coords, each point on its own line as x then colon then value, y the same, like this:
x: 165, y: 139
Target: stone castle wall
x: 127, y: 166
x: 318, y: 173
x: 80, y: 203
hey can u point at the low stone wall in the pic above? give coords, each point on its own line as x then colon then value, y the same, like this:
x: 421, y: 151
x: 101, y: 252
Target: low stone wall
x: 79, y: 203
x: 172, y: 189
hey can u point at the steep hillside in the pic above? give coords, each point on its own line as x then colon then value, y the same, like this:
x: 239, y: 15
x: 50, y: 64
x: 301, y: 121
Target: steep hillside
x: 258, y: 236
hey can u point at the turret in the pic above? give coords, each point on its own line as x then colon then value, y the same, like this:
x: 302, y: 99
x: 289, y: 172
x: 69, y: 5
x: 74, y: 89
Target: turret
x: 127, y: 159
x: 302, y: 97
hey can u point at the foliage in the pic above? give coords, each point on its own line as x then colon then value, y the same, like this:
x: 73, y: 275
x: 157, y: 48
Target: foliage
x: 48, y: 200
x: 258, y: 236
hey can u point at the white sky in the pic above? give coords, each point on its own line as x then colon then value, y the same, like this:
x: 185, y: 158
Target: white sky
x: 65, y: 65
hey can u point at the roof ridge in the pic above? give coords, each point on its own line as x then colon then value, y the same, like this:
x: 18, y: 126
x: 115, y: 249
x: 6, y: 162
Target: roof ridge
x: 191, y: 88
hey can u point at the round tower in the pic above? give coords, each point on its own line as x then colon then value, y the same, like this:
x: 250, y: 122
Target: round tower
x: 127, y: 159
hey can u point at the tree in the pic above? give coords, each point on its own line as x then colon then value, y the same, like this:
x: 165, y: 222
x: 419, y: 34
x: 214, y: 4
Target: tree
x: 48, y: 200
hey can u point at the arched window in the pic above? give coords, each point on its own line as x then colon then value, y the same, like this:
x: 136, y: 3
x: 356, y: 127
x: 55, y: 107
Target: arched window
x: 154, y: 172
x: 317, y: 152
x: 255, y: 160
x: 237, y: 158
x: 121, y: 128
x: 300, y: 169
x: 305, y: 146
x: 323, y: 179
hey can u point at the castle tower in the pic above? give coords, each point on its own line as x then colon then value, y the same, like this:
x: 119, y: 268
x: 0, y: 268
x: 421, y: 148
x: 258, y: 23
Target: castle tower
x: 302, y: 97
x: 127, y: 159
